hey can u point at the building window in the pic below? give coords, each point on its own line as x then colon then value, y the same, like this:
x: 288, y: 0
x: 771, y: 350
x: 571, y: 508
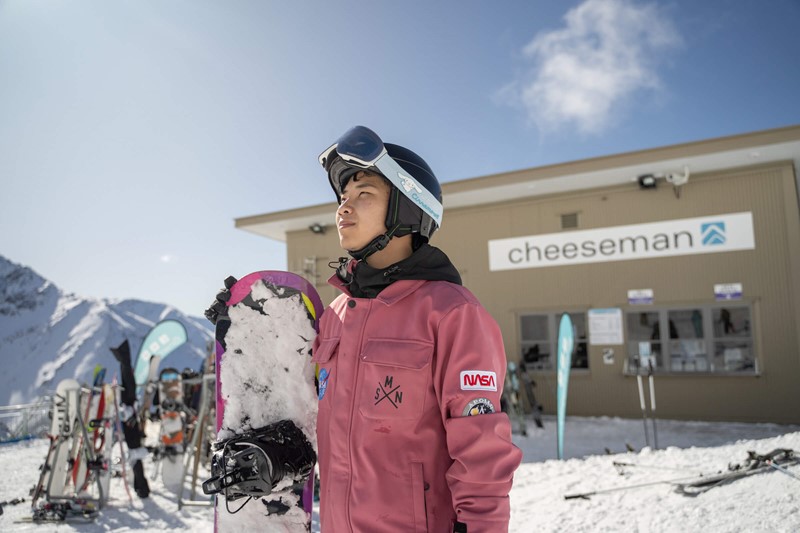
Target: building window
x: 536, y: 348
x: 644, y: 338
x: 702, y: 339
x: 733, y: 339
x: 539, y: 335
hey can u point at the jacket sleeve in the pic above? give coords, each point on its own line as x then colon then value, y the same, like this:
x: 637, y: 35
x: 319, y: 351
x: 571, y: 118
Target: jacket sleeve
x: 468, y: 377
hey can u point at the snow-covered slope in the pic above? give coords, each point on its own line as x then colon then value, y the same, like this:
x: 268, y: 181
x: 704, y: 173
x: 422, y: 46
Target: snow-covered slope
x: 47, y: 335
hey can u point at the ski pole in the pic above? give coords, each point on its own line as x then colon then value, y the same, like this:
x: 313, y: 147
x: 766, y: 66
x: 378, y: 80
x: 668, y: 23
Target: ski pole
x: 653, y: 403
x: 620, y: 465
x: 585, y: 495
x: 782, y: 470
x: 641, y: 403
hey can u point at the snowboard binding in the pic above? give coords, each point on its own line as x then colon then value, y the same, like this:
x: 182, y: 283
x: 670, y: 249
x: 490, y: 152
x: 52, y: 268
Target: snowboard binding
x: 253, y: 464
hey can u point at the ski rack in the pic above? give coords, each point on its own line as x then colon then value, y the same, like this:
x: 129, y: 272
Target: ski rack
x: 89, y: 456
x: 194, y: 451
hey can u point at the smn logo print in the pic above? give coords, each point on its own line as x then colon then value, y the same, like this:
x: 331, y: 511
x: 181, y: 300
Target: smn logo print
x: 713, y: 233
x: 387, y: 391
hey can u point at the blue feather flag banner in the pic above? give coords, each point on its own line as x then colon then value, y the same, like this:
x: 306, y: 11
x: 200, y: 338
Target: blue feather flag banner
x: 566, y: 343
x: 161, y: 341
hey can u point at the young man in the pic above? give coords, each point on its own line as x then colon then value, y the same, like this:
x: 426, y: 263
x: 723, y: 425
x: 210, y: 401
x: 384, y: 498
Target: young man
x: 411, y: 366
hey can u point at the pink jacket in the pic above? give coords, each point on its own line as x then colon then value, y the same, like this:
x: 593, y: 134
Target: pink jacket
x: 400, y: 377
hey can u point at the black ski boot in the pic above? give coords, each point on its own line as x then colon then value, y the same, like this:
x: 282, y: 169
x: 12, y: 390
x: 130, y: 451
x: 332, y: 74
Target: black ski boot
x: 252, y: 464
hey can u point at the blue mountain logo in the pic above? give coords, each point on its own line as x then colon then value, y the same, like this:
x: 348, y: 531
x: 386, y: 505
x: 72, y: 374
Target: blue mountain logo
x: 713, y: 233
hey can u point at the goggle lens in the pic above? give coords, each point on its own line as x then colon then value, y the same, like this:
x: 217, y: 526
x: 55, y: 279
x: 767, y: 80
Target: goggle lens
x: 360, y: 144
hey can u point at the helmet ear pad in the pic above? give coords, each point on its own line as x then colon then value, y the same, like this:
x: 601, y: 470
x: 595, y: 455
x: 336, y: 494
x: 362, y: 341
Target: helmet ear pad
x: 408, y: 218
x: 401, y: 213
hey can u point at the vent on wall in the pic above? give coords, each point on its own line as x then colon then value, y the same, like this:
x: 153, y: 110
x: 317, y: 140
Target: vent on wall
x: 569, y: 221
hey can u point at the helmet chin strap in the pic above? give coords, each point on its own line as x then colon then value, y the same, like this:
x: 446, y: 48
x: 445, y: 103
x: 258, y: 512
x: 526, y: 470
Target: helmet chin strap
x: 375, y: 245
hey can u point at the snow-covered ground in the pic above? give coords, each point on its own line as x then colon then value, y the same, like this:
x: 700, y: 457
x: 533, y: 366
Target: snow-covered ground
x: 763, y: 502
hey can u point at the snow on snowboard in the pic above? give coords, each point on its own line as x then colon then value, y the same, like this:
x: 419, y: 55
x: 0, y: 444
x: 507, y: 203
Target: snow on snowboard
x: 266, y: 405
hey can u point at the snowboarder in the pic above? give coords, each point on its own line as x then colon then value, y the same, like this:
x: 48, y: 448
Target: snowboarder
x: 411, y: 366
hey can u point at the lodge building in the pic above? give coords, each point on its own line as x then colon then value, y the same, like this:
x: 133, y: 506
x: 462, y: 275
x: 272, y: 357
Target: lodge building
x: 684, y: 257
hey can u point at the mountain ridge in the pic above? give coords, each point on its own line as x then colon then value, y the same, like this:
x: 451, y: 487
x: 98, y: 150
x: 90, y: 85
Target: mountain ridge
x: 47, y: 334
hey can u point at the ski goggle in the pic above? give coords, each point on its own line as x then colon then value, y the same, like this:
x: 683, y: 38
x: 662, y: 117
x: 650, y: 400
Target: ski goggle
x: 362, y: 148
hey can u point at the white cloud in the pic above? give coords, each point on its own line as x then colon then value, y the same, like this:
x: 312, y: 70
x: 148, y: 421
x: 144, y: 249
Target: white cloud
x: 606, y: 52
x: 167, y: 258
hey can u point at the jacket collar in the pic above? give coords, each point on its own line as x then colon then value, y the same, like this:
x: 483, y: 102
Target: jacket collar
x: 390, y: 295
x: 426, y: 263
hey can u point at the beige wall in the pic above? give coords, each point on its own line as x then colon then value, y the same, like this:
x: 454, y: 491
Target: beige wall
x: 770, y: 275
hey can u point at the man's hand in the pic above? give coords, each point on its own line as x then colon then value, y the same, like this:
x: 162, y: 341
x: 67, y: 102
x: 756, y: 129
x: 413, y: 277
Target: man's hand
x: 219, y: 307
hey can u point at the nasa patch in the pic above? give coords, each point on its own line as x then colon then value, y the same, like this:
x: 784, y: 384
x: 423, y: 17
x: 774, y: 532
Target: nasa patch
x: 323, y: 382
x: 478, y: 406
x: 478, y: 380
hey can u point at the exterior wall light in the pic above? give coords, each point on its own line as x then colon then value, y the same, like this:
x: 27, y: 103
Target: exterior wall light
x: 647, y: 181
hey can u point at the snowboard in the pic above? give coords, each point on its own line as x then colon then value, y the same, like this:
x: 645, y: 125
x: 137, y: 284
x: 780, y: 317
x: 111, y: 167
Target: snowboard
x: 66, y: 424
x: 266, y: 400
x: 63, y: 416
x: 171, y: 435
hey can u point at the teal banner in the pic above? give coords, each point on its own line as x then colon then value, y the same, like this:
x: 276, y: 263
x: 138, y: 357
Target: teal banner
x: 159, y: 342
x: 566, y: 343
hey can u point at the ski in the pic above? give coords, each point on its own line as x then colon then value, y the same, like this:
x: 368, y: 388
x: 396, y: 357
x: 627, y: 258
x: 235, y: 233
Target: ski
x: 755, y: 464
x: 528, y: 384
x: 119, y: 437
x: 694, y: 485
x: 511, y: 402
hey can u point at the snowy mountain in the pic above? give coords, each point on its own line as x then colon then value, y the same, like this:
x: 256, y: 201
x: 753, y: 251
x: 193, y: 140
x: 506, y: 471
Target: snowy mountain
x: 47, y: 335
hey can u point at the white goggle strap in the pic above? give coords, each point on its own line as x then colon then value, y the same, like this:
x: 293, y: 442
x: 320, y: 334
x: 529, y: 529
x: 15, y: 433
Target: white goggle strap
x: 409, y: 186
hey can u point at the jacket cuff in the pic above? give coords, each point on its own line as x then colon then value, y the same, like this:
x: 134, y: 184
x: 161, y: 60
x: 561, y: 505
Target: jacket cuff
x: 480, y: 526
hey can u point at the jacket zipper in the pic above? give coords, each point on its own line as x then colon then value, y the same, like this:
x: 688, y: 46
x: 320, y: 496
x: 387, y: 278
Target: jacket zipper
x: 352, y: 412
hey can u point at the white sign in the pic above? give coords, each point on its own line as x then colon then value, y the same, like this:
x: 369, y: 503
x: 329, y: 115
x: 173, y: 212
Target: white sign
x: 640, y: 297
x: 728, y: 291
x: 605, y: 326
x: 688, y: 236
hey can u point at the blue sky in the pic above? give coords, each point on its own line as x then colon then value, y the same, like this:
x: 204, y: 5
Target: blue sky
x: 133, y: 133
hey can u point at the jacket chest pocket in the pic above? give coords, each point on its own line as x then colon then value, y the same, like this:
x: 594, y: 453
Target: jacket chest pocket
x: 325, y: 359
x: 395, y: 377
